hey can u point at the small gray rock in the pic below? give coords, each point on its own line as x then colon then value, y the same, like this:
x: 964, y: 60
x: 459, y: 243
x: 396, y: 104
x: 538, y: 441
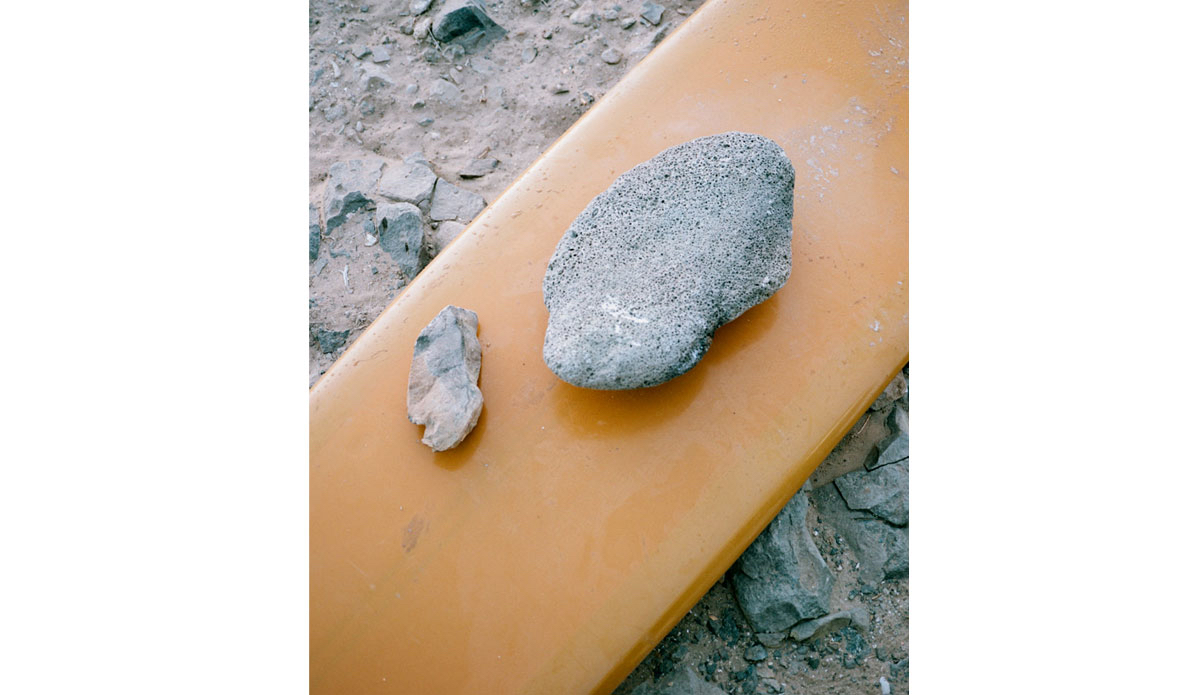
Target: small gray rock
x: 399, y: 226
x: 445, y: 92
x: 360, y: 52
x: 379, y: 54
x: 441, y: 237
x: 331, y: 341
x: 628, y: 22
x: 880, y: 548
x: 314, y: 232
x: 898, y: 419
x: 781, y: 578
x: 422, y: 29
x: 812, y: 629
x: 653, y: 12
x: 756, y: 653
x: 478, y: 168
x: 425, y: 122
x: 321, y: 263
x: 883, y: 492
x: 611, y: 56
x: 676, y: 247
x: 443, y: 391
x: 420, y: 6
x: 685, y: 681
x: 528, y: 54
x: 418, y: 158
x: 334, y: 113
x: 895, y: 390
x: 349, y: 188
x: 459, y: 18
x: 582, y: 16
x: 893, y: 449
x: 408, y: 183
x: 453, y: 203
x: 771, y: 640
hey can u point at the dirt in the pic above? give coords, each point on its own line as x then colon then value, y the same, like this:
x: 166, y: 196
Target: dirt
x: 518, y: 94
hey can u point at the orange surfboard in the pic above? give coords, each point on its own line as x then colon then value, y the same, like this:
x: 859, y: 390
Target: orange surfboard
x: 554, y: 547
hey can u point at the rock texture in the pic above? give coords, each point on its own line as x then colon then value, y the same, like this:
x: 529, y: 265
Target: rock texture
x: 812, y: 629
x: 883, y: 492
x: 881, y: 549
x: 443, y: 393
x: 453, y: 203
x: 676, y: 247
x: 409, y: 183
x: 782, y: 579
x: 400, y: 234
x: 349, y: 189
x: 460, y: 19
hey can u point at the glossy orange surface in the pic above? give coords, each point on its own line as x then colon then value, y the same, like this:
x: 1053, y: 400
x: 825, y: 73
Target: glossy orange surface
x: 551, y: 550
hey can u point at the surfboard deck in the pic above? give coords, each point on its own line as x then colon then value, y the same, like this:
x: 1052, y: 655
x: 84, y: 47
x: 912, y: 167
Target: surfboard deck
x: 573, y: 528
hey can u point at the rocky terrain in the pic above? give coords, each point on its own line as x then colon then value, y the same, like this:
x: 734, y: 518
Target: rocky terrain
x: 420, y: 114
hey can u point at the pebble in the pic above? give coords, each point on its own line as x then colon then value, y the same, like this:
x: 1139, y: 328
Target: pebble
x: 379, y: 54
x: 628, y: 22
x: 443, y: 390
x: 425, y: 122
x: 528, y: 54
x: 559, y: 89
x: 652, y: 12
x: 631, y: 304
x: 611, y: 56
x: 445, y: 92
x: 582, y: 16
x: 885, y: 688
x: 420, y: 6
x: 411, y: 89
x: 756, y: 653
x: 348, y: 189
x: 459, y: 18
x: 320, y: 266
x: 478, y: 168
x: 360, y: 52
x: 335, y: 112
x: 331, y: 341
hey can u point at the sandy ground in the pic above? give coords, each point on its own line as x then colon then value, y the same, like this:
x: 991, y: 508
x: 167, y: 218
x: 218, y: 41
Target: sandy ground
x: 516, y: 95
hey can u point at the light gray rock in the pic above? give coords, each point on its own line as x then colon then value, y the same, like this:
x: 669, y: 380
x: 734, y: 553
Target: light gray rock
x: 812, y: 629
x: 462, y: 18
x: 883, y: 492
x: 880, y: 548
x: 379, y: 54
x: 445, y: 92
x: 611, y: 56
x: 453, y: 203
x: 895, y: 390
x: 438, y: 239
x: 893, y: 449
x: 420, y: 6
x: 898, y: 419
x: 349, y: 188
x: 781, y: 578
x: 399, y: 228
x: 628, y: 22
x: 443, y: 393
x: 653, y: 12
x: 477, y: 168
x: 771, y: 640
x: 583, y: 16
x: 676, y: 247
x: 408, y: 183
x: 360, y: 51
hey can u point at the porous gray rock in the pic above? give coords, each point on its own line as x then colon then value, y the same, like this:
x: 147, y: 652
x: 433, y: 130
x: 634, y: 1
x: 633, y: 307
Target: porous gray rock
x: 408, y: 183
x: 349, y: 188
x: 892, y: 449
x: 676, y: 247
x: 782, y: 579
x: 883, y: 492
x: 443, y: 391
x: 460, y: 19
x: 399, y: 228
x: 819, y: 627
x: 453, y: 203
x: 880, y: 548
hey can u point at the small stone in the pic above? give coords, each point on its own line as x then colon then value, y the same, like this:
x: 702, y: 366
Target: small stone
x: 335, y: 112
x: 399, y: 226
x: 425, y: 122
x: 674, y: 248
x: 528, y: 54
x: 611, y: 13
x: 422, y: 28
x: 371, y: 241
x: 418, y: 104
x: 331, y: 341
x: 453, y: 203
x: 628, y: 22
x: 885, y: 688
x: 898, y: 419
x: 893, y: 449
x: 314, y: 232
x: 443, y: 391
x: 358, y: 127
x: 360, y: 52
x: 559, y: 89
x: 320, y: 266
x: 347, y: 190
x: 653, y: 12
x: 756, y: 653
x: 883, y: 492
x: 782, y: 578
x: 478, y: 168
x: 411, y: 182
x: 459, y: 18
x: 771, y: 639
x: 582, y: 16
x: 374, y: 78
x: 379, y: 54
x: 815, y: 629
x: 420, y: 6
x: 881, y: 550
x: 445, y: 92
x: 611, y: 56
